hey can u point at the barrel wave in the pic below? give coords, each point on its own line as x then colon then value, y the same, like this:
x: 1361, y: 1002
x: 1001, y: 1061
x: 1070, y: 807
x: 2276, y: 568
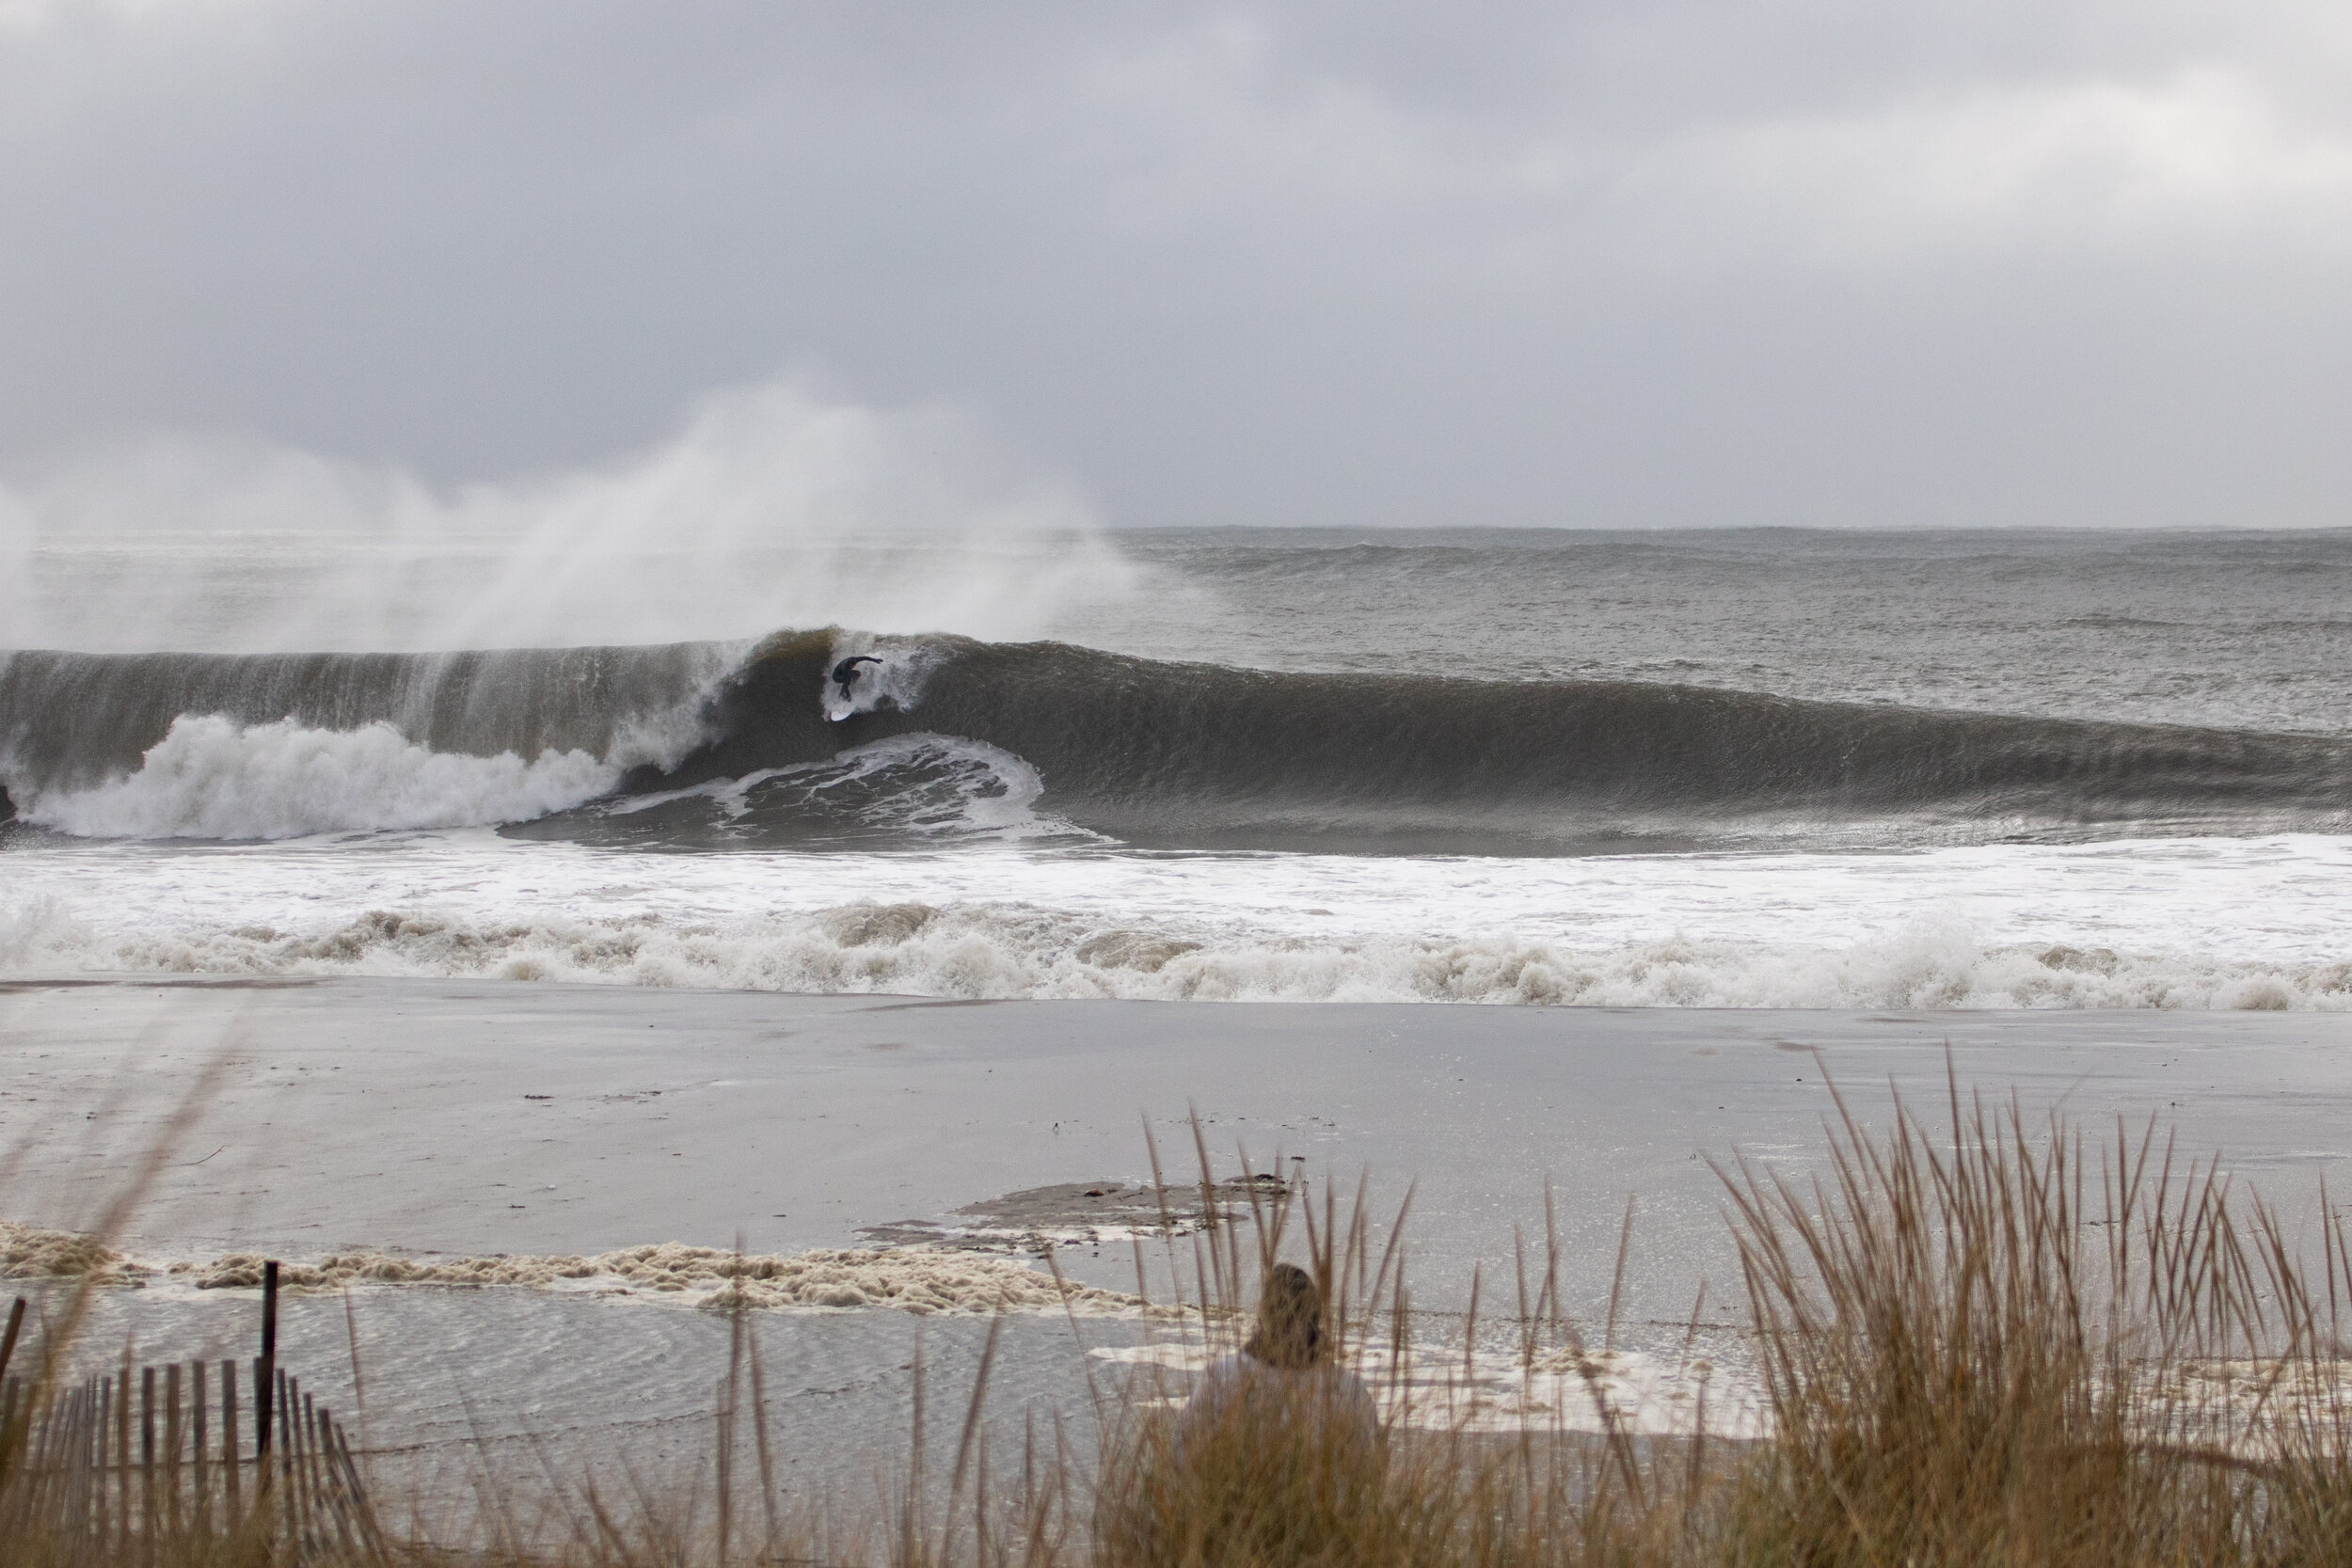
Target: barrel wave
x: 713, y: 746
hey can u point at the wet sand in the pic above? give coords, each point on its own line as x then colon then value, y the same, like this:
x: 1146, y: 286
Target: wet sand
x: 483, y: 1116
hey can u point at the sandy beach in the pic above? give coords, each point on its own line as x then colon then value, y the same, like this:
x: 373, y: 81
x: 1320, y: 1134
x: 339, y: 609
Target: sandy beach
x: 462, y: 1116
x: 477, y: 1124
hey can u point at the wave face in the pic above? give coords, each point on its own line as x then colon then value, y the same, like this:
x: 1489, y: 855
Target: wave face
x: 713, y: 746
x: 1160, y: 754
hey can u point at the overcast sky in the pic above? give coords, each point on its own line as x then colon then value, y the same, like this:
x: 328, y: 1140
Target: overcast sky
x: 1619, y: 262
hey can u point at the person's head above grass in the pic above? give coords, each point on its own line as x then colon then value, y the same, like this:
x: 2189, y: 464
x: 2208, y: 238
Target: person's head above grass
x: 1290, y: 1319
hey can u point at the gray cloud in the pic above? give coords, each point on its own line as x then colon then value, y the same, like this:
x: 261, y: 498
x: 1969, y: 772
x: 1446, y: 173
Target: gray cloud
x: 1614, y: 263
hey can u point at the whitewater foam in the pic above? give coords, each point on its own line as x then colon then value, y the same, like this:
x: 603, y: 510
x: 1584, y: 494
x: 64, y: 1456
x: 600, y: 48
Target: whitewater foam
x: 214, y: 779
x: 2176, y: 922
x: 920, y: 786
x: 918, y: 1279
x: 983, y: 951
x: 1447, y: 1389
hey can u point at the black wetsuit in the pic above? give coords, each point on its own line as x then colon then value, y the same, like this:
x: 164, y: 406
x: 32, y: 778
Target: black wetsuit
x: 845, y: 672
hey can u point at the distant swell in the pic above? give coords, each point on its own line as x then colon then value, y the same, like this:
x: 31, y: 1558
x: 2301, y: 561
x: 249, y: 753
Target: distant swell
x: 713, y: 746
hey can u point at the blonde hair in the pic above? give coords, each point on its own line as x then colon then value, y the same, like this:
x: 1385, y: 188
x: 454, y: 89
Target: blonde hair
x: 1290, y: 1319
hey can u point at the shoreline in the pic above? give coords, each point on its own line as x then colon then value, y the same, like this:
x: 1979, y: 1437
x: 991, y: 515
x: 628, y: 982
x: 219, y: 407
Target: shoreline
x: 533, y: 1117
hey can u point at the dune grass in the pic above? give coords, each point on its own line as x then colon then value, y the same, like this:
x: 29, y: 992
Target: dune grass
x: 1981, y: 1339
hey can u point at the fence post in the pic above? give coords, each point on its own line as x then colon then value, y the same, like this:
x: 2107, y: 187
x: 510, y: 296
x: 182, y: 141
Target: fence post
x: 148, y: 1496
x: 175, y: 1521
x: 122, y: 1457
x: 232, y: 1501
x: 203, y: 1460
x: 8, y: 1342
x: 266, y: 1364
x: 285, y: 1476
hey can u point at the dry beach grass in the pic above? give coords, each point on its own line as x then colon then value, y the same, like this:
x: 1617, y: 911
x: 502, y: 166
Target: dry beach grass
x: 1981, y: 1339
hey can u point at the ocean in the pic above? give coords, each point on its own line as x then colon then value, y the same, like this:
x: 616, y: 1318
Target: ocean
x: 1778, y: 768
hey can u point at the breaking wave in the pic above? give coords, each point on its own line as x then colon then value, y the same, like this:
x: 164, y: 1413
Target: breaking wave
x: 1001, y: 951
x: 711, y: 745
x: 909, y: 788
x: 213, y: 778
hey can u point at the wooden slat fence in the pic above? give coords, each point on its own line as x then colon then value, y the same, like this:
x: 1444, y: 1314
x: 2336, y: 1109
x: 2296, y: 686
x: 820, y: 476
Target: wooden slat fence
x: 155, y: 1467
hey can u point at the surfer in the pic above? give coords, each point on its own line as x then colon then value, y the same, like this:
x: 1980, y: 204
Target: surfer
x: 845, y: 672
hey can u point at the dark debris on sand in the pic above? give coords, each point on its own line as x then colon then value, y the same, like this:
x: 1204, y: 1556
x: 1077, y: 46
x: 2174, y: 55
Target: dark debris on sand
x: 1078, y: 1213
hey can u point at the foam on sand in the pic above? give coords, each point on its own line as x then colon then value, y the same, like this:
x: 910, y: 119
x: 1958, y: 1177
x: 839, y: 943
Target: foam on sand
x: 923, y: 1280
x: 1441, y: 1390
x: 28, y: 1252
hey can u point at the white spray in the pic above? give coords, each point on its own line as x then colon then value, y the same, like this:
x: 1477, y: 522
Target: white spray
x: 773, y: 506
